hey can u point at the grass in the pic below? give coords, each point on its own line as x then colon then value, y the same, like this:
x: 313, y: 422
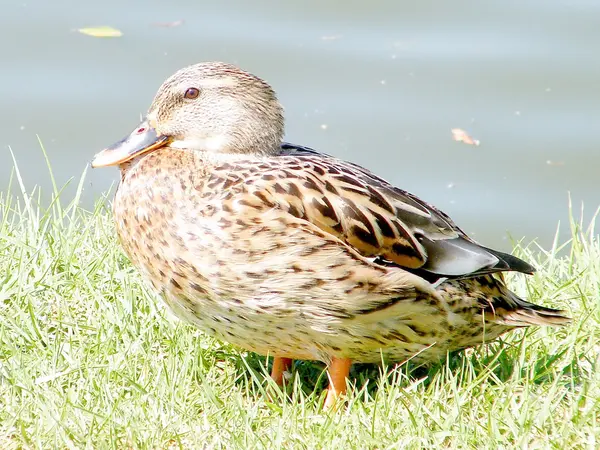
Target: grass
x: 89, y: 358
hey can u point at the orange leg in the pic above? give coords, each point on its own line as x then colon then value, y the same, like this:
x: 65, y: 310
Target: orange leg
x: 338, y: 372
x: 280, y: 365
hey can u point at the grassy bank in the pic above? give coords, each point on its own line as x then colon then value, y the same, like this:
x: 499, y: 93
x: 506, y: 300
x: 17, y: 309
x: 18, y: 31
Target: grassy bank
x: 90, y: 358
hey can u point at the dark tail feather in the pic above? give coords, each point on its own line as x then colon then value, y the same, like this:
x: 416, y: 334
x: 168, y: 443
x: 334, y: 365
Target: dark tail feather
x: 510, y: 262
x: 526, y: 314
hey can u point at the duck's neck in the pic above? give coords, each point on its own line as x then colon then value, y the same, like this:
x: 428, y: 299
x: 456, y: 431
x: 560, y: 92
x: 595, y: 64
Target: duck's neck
x: 179, y: 160
x: 259, y: 145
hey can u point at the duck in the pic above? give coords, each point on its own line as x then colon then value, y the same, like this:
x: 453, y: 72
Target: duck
x: 284, y: 251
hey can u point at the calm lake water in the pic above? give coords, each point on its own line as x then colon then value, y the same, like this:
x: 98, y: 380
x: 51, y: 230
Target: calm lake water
x: 380, y: 83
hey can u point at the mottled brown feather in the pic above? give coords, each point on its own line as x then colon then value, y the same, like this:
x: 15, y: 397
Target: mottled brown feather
x: 375, y: 222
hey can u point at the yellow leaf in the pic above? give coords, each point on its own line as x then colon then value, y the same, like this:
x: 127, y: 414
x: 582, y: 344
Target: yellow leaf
x: 101, y: 32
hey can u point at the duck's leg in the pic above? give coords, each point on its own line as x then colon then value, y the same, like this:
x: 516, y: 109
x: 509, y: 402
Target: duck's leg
x: 280, y: 365
x: 338, y: 372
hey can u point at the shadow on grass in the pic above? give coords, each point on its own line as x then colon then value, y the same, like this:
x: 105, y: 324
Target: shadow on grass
x: 494, y: 363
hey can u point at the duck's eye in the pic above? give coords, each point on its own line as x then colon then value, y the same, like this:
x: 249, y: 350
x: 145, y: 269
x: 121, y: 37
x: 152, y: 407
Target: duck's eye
x: 192, y: 93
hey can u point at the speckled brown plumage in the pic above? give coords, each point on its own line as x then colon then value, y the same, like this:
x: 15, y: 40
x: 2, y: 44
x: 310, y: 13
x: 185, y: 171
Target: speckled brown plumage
x: 285, y: 251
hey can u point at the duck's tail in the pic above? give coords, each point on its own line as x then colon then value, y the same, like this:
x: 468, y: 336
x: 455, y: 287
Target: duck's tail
x: 524, y: 314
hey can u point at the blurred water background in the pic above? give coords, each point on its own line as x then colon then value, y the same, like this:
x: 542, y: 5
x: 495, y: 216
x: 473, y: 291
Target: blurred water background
x: 380, y: 83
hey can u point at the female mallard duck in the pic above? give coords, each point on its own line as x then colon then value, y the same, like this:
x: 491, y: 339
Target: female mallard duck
x: 288, y: 252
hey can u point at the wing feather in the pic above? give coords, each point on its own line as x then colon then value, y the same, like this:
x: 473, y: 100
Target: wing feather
x: 375, y: 218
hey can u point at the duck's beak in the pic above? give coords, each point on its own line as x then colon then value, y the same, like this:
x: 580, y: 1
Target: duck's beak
x: 141, y: 140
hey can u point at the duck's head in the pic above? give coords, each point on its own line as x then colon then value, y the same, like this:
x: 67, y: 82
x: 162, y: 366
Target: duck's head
x: 212, y: 107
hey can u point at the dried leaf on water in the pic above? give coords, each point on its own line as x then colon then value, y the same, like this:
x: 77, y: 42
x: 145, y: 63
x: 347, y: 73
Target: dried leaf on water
x: 175, y: 23
x: 102, y: 32
x: 462, y: 136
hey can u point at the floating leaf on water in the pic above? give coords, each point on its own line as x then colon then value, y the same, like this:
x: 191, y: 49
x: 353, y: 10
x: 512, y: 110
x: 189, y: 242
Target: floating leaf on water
x: 462, y: 136
x: 173, y: 24
x: 102, y: 32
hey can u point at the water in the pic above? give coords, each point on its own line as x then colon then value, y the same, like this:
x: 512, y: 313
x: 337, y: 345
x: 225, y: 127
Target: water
x: 381, y: 84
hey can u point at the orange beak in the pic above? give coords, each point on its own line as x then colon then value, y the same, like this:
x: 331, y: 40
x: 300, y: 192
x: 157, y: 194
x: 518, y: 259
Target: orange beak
x: 141, y: 140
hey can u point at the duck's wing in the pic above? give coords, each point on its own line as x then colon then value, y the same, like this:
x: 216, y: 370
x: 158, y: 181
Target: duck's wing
x: 375, y: 218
